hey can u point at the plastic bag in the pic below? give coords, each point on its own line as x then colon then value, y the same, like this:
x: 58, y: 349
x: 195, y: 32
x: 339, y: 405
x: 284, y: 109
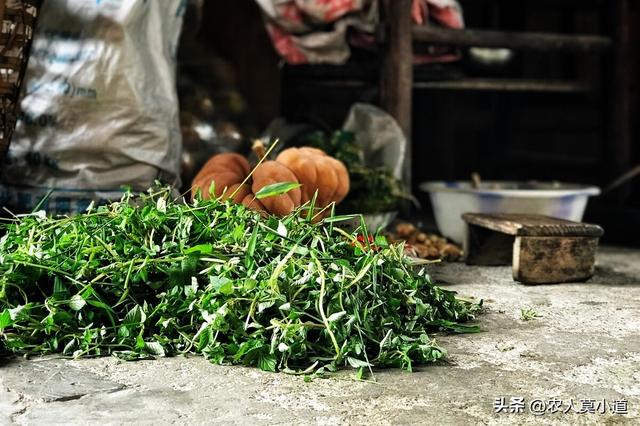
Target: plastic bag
x: 100, y: 108
x: 379, y: 136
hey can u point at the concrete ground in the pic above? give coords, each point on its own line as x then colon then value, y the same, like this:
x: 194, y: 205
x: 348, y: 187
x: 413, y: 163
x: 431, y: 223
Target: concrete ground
x: 584, y: 347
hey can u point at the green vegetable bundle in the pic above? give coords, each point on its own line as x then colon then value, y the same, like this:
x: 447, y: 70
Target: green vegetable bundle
x: 147, y: 276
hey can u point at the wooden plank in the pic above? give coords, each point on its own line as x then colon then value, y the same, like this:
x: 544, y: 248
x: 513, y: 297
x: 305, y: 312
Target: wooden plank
x: 545, y: 42
x: 397, y: 80
x: 573, y: 4
x: 550, y: 260
x: 505, y: 85
x: 532, y: 225
x: 471, y: 84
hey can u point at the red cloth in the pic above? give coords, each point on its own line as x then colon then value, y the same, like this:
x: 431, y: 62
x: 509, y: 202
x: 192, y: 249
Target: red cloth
x: 297, y: 28
x: 443, y: 13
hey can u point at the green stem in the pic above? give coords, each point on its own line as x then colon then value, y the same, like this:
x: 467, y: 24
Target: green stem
x: 321, y: 307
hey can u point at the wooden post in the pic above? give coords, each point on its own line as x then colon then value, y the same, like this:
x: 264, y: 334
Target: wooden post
x: 397, y: 79
x: 618, y: 146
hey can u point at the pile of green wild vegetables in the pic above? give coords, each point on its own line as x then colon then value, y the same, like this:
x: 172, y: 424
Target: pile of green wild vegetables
x: 148, y: 276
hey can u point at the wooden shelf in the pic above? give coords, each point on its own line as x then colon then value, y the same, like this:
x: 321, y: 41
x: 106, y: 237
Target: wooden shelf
x: 545, y: 42
x: 397, y: 79
x: 466, y: 84
x: 505, y: 85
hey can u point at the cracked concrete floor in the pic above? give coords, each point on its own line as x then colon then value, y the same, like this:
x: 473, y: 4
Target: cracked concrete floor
x: 585, y: 345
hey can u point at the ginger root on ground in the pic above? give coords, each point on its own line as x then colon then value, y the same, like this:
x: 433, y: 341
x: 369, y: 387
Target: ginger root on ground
x: 425, y: 246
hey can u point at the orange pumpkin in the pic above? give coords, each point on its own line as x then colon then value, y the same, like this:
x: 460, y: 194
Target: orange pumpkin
x: 317, y: 171
x: 271, y: 172
x: 228, y: 171
x: 312, y: 168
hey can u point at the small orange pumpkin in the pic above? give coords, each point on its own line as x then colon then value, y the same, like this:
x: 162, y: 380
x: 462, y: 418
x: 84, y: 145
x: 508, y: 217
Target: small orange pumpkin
x: 271, y: 172
x: 229, y: 170
x: 311, y: 167
x: 317, y: 171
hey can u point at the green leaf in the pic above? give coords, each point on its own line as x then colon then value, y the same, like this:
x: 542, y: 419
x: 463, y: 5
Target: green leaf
x: 249, y: 284
x: 226, y: 288
x: 357, y: 363
x: 267, y: 363
x: 276, y: 189
x: 123, y: 332
x: 336, y: 316
x: 282, y: 230
x: 343, y: 218
x: 238, y: 232
x: 200, y: 249
x: 59, y: 289
x: 188, y: 266
x: 251, y: 247
x: 62, y: 317
x: 153, y: 348
x: 135, y: 316
x: 381, y: 241
x: 19, y: 312
x: 221, y: 284
x: 77, y: 302
x: 106, y: 308
x: 265, y: 305
x: 5, y: 319
x: 69, y: 347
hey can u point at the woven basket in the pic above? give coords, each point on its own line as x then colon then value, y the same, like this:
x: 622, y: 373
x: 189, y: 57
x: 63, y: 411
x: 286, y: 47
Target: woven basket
x: 18, y: 19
